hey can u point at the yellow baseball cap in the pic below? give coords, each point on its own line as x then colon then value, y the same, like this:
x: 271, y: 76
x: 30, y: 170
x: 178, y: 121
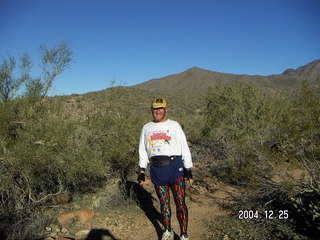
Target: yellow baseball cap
x: 159, y: 103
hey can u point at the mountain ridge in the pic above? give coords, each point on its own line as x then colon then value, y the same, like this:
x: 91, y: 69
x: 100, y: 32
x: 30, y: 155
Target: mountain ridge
x: 196, y: 80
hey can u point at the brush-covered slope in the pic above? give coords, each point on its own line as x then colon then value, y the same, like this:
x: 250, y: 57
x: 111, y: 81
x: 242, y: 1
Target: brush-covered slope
x: 196, y: 80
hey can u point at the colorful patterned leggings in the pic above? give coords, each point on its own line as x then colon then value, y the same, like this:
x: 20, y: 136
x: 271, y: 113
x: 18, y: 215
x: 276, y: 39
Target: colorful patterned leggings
x: 178, y: 190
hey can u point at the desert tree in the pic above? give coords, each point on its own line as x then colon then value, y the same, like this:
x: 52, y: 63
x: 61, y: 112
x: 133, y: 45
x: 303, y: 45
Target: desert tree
x: 53, y: 62
x: 10, y: 84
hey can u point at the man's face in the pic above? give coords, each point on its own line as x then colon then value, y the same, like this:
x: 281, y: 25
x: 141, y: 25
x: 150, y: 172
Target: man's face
x: 159, y: 114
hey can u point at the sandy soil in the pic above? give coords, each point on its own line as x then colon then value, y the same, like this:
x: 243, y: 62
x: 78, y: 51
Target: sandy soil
x: 144, y: 224
x: 140, y: 219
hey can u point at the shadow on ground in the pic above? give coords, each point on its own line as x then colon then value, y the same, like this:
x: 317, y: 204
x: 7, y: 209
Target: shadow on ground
x: 100, y: 234
x: 145, y: 201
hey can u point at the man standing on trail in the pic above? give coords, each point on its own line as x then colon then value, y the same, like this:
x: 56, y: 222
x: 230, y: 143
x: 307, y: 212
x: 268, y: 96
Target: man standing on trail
x: 163, y: 145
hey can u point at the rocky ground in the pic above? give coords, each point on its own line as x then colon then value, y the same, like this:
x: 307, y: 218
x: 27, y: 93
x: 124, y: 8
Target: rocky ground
x: 131, y: 212
x: 128, y: 211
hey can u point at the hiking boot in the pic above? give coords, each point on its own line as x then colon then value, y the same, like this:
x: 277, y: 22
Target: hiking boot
x: 168, y: 235
x: 184, y: 237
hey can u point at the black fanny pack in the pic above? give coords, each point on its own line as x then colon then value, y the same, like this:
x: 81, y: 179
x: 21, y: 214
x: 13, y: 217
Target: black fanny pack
x: 162, y: 161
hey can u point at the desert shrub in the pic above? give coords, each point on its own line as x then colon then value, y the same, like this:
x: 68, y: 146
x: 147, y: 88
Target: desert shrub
x: 241, y: 166
x: 116, y: 129
x: 257, y: 133
x: 234, y: 113
x: 270, y: 200
x: 239, y: 120
x: 305, y: 205
x: 299, y: 137
x: 253, y: 126
x: 31, y: 227
x: 42, y: 155
x: 299, y: 125
x: 231, y: 228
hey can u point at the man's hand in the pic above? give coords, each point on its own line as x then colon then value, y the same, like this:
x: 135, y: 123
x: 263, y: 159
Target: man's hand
x: 188, y: 176
x: 141, y: 178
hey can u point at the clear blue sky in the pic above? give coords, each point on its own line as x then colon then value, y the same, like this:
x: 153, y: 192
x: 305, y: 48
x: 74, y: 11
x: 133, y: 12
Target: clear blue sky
x: 133, y: 41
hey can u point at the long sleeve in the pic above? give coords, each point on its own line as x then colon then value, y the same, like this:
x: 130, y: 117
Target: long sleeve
x: 143, y: 156
x: 185, y: 151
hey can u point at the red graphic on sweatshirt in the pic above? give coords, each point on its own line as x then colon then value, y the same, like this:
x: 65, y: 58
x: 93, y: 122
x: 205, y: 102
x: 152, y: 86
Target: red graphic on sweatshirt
x: 159, y: 136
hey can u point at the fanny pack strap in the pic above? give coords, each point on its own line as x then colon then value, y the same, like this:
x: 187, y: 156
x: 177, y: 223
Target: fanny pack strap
x: 162, y: 161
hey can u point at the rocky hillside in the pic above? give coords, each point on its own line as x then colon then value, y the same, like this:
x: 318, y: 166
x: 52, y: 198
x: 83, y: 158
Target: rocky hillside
x: 310, y: 72
x: 196, y: 80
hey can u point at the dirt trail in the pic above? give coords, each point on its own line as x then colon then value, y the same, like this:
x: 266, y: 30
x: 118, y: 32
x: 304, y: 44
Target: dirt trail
x: 201, y: 208
x: 203, y: 203
x: 141, y: 220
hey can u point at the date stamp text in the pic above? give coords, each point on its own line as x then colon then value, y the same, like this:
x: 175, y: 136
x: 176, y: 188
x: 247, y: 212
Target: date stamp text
x: 267, y: 214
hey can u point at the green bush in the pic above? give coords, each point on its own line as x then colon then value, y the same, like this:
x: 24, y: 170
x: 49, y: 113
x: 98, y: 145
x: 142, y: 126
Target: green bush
x: 116, y: 129
x: 259, y: 135
x: 231, y: 228
x: 239, y: 112
x: 240, y: 120
x: 306, y: 209
x: 299, y: 126
x: 42, y: 155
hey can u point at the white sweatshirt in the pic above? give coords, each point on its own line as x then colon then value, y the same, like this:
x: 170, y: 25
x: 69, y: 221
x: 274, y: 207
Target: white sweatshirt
x: 163, y: 139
